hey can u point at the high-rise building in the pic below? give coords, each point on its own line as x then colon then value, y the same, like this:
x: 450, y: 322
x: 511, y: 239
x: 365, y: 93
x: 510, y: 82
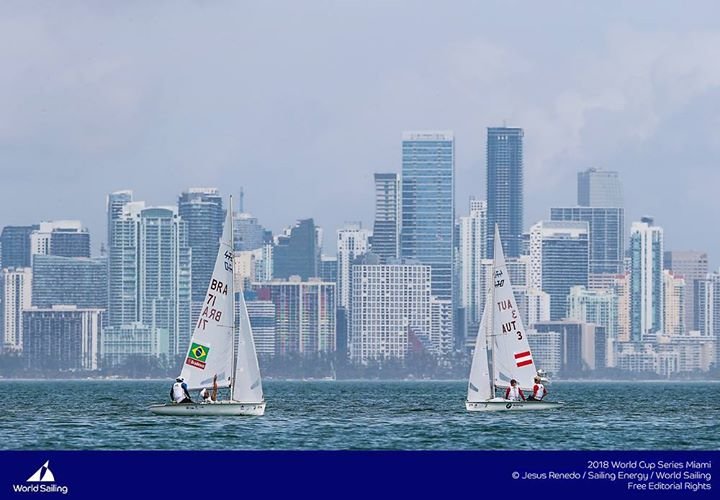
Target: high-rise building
x: 646, y: 280
x: 77, y: 281
x: 352, y: 241
x: 390, y: 304
x: 62, y: 338
x: 692, y: 266
x: 386, y: 229
x: 599, y: 188
x: 505, y: 187
x: 428, y: 205
x: 606, y: 228
x: 16, y: 297
x: 120, y: 343
x: 673, y: 304
x: 248, y: 234
x: 297, y: 251
x: 472, y: 247
x: 16, y: 246
x: 559, y: 260
x: 64, y: 238
x: 599, y: 307
x: 262, y: 320
x: 304, y: 314
x: 707, y: 305
x: 329, y: 268
x: 202, y: 211
x: 582, y: 345
x: 620, y: 286
x: 114, y: 207
x: 149, y: 274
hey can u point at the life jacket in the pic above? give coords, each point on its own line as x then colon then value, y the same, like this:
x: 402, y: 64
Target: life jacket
x: 513, y: 393
x: 178, y: 392
x: 539, y: 391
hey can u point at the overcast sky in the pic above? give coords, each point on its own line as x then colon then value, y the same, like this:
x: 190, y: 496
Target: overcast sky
x: 300, y: 102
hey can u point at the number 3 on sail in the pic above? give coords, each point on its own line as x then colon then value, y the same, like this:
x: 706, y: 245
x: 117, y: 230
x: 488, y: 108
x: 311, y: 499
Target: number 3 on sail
x: 502, y: 346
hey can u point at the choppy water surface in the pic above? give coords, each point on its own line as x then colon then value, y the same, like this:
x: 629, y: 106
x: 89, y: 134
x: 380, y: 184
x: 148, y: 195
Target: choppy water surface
x: 361, y: 415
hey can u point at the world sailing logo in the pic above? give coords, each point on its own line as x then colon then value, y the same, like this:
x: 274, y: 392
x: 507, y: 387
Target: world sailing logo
x: 43, y: 475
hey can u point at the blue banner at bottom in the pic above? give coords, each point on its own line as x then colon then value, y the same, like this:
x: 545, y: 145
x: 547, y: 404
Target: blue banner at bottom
x: 337, y: 474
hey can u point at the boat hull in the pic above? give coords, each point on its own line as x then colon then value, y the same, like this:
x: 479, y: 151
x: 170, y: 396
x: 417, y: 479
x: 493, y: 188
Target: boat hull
x: 230, y: 408
x: 499, y: 404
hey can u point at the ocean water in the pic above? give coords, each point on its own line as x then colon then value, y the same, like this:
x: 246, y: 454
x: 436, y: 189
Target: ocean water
x: 348, y: 415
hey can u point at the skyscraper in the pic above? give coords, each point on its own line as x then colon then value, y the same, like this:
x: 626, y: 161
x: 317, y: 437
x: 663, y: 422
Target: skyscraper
x: 304, y: 315
x: 692, y: 266
x: 673, y: 304
x: 599, y: 188
x: 352, y: 241
x: 77, y: 281
x: 149, y: 273
x: 606, y: 228
x: 64, y: 238
x: 505, y: 187
x: 559, y: 261
x: 202, y: 211
x: 248, y: 233
x: 62, y: 338
x: 646, y: 280
x: 114, y: 206
x: 390, y: 304
x: 707, y: 305
x: 16, y: 246
x: 297, y: 252
x: 428, y: 205
x: 15, y: 296
x: 386, y: 230
x: 472, y: 248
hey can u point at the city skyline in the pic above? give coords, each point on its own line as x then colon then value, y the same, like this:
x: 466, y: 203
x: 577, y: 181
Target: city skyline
x: 82, y: 120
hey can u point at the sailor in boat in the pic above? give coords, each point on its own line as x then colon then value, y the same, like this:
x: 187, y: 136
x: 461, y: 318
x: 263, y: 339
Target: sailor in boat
x: 539, y: 391
x: 179, y: 392
x: 207, y: 396
x: 514, y: 393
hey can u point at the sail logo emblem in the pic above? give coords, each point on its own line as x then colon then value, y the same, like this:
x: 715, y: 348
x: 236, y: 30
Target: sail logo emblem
x: 42, y: 475
x: 523, y: 358
x: 197, y: 356
x: 42, y: 481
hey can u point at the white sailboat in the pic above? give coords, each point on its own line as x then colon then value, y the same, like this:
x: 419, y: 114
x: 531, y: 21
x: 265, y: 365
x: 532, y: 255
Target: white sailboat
x: 502, y: 330
x: 214, y: 350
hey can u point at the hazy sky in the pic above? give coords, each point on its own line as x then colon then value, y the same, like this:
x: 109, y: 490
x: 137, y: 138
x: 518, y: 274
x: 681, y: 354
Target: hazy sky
x: 300, y: 102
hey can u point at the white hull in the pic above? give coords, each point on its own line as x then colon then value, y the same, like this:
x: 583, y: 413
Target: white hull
x: 235, y: 408
x: 500, y: 404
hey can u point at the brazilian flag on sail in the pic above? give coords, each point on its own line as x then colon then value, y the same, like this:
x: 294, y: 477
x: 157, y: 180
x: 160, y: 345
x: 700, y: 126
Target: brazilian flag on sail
x: 197, y: 356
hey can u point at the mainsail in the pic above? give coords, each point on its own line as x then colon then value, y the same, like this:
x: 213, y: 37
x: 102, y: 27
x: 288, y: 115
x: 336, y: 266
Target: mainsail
x: 211, y: 346
x: 512, y: 358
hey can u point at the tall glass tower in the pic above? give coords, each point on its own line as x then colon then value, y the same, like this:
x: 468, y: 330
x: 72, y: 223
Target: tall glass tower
x: 505, y: 188
x: 599, y: 188
x: 149, y: 273
x: 646, y: 279
x: 202, y: 211
x: 428, y: 205
x: 386, y: 230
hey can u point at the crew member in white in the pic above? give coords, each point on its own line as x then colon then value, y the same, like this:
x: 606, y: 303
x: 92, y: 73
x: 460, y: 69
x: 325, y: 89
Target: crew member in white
x: 179, y: 392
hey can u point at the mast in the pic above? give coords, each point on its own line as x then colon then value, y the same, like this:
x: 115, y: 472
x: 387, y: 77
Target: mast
x: 488, y: 338
x: 232, y: 297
